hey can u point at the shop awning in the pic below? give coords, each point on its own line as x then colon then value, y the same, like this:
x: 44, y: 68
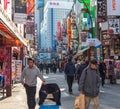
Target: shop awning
x: 94, y: 42
x: 9, y: 29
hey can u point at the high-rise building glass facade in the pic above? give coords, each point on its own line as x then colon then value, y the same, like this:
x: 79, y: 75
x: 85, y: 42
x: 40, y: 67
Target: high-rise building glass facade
x: 54, y: 11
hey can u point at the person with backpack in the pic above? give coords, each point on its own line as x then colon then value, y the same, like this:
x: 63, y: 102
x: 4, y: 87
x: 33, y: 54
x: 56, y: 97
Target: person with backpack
x: 89, y: 84
x: 80, y: 69
x: 70, y: 73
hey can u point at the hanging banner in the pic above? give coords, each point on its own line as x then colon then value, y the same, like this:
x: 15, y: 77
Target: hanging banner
x: 20, y: 15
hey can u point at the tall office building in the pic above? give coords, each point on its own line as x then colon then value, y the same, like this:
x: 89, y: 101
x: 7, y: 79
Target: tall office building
x: 54, y: 12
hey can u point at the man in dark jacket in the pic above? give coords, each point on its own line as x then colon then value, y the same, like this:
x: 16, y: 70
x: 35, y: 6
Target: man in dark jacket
x: 80, y: 69
x: 70, y: 72
x: 102, y: 69
x: 89, y: 84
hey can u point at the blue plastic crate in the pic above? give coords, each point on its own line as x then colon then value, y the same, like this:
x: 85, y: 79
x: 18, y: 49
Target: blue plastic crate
x: 49, y: 107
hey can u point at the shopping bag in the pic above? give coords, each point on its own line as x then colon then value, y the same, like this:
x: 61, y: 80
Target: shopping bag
x: 80, y: 102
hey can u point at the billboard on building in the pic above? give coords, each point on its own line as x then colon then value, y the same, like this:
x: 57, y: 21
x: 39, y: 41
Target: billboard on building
x: 113, y: 7
x: 30, y: 6
x: 114, y: 26
x: 20, y: 15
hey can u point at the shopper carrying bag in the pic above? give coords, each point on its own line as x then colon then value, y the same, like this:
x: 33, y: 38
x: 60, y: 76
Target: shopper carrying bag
x: 80, y: 102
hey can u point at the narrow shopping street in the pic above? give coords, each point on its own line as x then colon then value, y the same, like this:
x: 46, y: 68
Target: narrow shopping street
x: 109, y: 95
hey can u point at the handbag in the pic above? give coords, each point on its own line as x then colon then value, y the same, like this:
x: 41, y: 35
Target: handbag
x: 80, y: 102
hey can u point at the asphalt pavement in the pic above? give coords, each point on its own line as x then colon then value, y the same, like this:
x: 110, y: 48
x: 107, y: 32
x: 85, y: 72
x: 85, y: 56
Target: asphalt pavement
x: 108, y: 99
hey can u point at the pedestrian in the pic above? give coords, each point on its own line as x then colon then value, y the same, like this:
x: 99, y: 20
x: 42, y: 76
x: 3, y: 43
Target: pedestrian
x: 29, y: 80
x: 102, y: 70
x: 70, y: 73
x: 47, y: 68
x: 80, y: 69
x: 111, y: 72
x: 41, y: 67
x: 89, y: 84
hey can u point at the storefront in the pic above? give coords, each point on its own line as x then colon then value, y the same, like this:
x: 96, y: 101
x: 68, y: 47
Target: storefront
x: 9, y: 37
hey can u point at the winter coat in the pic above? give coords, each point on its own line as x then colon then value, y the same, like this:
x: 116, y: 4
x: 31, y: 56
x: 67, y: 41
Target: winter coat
x: 90, y: 82
x: 69, y: 69
x: 79, y: 70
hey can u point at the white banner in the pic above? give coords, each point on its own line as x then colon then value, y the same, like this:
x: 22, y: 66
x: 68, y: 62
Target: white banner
x: 113, y: 7
x: 20, y: 18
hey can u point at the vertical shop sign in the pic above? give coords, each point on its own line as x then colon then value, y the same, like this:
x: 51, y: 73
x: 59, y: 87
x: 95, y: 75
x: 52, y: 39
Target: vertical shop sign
x: 18, y: 69
x: 13, y: 71
x: 30, y: 6
x: 113, y: 4
x: 99, y: 54
x: 30, y: 28
x: 59, y: 30
x: 102, y: 10
x: 113, y: 7
x: 6, y: 2
x: 84, y: 38
x: 69, y: 30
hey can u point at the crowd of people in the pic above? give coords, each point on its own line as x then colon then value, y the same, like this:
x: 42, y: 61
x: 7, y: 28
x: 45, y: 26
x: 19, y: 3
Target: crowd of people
x: 48, y: 67
x: 89, y: 75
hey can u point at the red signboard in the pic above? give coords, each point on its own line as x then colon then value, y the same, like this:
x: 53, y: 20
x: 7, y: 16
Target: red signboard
x: 6, y: 2
x: 59, y: 30
x: 113, y: 4
x: 30, y: 6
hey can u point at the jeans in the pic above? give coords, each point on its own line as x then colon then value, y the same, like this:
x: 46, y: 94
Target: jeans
x: 70, y: 82
x: 30, y: 91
